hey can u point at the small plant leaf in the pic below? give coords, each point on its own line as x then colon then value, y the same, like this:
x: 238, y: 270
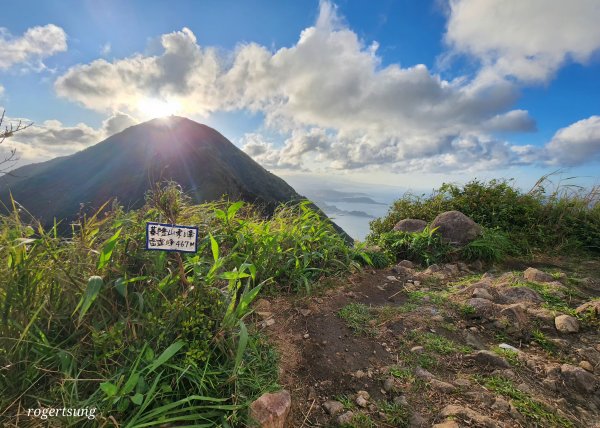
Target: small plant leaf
x: 110, y: 389
x: 91, y: 292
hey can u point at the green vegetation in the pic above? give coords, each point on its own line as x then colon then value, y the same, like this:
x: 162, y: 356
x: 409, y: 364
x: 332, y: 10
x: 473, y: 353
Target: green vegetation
x: 540, y: 338
x: 566, y: 218
x: 493, y: 246
x: 441, y: 345
x: 509, y: 355
x: 396, y: 415
x: 424, y: 247
x: 151, y: 338
x: 536, y: 413
x: 358, y: 317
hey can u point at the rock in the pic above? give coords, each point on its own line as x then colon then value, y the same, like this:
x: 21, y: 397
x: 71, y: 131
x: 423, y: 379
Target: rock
x: 271, y: 410
x: 264, y: 315
x: 442, y: 386
x: 592, y: 307
x: 363, y: 394
x: 462, y: 382
x: 333, y: 407
x: 417, y: 349
x: 362, y: 398
x: 389, y: 384
x: 446, y: 424
x: 456, y: 228
x: 477, y: 265
x: 488, y: 358
x: 345, y: 418
x: 391, y: 278
x: 401, y: 400
x: 536, y: 275
x: 422, y: 373
x: 466, y: 413
x: 432, y: 269
x: 590, y: 354
x: 312, y: 394
x: 262, y: 305
x: 482, y: 293
x: 359, y: 374
x: 452, y: 269
x: 501, y: 405
x: 579, y: 378
x: 410, y: 225
x: 406, y: 264
x: 415, y: 420
x: 305, y: 312
x: 516, y: 316
x: 520, y: 294
x: 268, y: 323
x: 543, y: 315
x: 306, y: 335
x: 473, y: 341
x: 566, y: 324
x: 483, y: 307
x: 587, y: 366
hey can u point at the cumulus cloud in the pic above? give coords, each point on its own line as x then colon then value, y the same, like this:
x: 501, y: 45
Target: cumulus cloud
x: 336, y: 105
x: 527, y: 40
x: 576, y: 144
x: 52, y: 138
x: 32, y: 47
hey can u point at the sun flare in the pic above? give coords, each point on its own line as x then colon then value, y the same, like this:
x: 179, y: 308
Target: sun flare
x: 154, y: 107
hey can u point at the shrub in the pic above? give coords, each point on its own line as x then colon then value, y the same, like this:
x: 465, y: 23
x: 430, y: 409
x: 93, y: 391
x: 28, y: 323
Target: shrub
x: 492, y: 246
x: 424, y: 247
x: 567, y: 217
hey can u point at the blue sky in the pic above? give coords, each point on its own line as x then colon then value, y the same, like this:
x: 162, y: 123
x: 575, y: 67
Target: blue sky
x: 390, y: 92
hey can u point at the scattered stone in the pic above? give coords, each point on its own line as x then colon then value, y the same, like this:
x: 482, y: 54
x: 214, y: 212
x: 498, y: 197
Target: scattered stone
x: 456, y: 228
x: 488, y: 358
x: 432, y: 269
x: 587, y: 366
x: 333, y: 407
x: 592, y: 307
x: 447, y: 424
x: 508, y: 347
x: 345, y: 418
x: 271, y: 410
x: 359, y: 374
x: 312, y: 394
x: 477, y: 265
x: 306, y: 336
x: 305, y: 312
x: 264, y: 315
x: 487, y: 275
x: 417, y: 349
x: 410, y: 225
x: 452, y: 268
x: 268, y: 322
x: 406, y: 264
x: 582, y: 380
x: 483, y: 307
x: 520, y: 294
x: 501, y: 405
x: 401, y: 401
x: 442, y: 386
x: 420, y: 372
x: 536, y: 275
x: 415, y: 420
x: 462, y: 382
x: 391, y: 278
x: 473, y: 341
x: 362, y: 400
x: 566, y: 324
x: 262, y: 305
x: 465, y: 412
x: 517, y: 318
x: 389, y: 384
x: 482, y: 293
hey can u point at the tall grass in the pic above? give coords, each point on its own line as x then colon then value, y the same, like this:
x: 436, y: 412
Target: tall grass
x: 149, y: 338
x: 551, y: 216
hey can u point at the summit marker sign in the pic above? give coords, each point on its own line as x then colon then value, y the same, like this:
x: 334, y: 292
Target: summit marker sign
x: 171, y: 237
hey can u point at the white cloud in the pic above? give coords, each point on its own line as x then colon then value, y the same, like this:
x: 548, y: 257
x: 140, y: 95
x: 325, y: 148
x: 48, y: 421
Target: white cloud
x: 528, y: 40
x: 576, y: 144
x: 334, y: 103
x: 51, y: 138
x: 105, y: 49
x: 32, y: 47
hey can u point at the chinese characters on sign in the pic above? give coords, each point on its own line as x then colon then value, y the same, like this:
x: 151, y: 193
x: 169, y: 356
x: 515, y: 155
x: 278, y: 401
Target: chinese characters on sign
x: 171, y: 237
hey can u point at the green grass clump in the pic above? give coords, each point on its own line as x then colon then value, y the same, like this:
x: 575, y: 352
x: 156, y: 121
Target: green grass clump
x: 395, y: 415
x: 567, y: 217
x: 492, y: 246
x: 441, y: 345
x: 151, y: 338
x: 358, y: 317
x: 540, y: 338
x: 553, y: 300
x: 424, y: 247
x: 536, y: 413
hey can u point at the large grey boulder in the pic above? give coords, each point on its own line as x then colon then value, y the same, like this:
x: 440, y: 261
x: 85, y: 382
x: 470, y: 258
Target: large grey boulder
x: 410, y: 225
x: 456, y: 228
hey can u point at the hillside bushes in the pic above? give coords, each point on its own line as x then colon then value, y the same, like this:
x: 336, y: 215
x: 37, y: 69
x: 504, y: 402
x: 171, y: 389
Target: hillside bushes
x: 565, y: 218
x: 150, y: 338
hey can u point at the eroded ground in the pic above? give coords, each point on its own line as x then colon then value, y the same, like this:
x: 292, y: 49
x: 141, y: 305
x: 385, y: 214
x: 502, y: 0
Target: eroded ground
x: 449, y: 345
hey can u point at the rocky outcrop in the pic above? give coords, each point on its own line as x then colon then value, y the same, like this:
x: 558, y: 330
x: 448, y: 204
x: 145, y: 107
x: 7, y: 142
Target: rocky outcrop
x: 456, y: 228
x: 410, y: 225
x: 536, y: 275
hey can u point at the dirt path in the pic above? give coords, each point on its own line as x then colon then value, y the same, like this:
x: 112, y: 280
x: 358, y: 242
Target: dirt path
x: 406, y: 347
